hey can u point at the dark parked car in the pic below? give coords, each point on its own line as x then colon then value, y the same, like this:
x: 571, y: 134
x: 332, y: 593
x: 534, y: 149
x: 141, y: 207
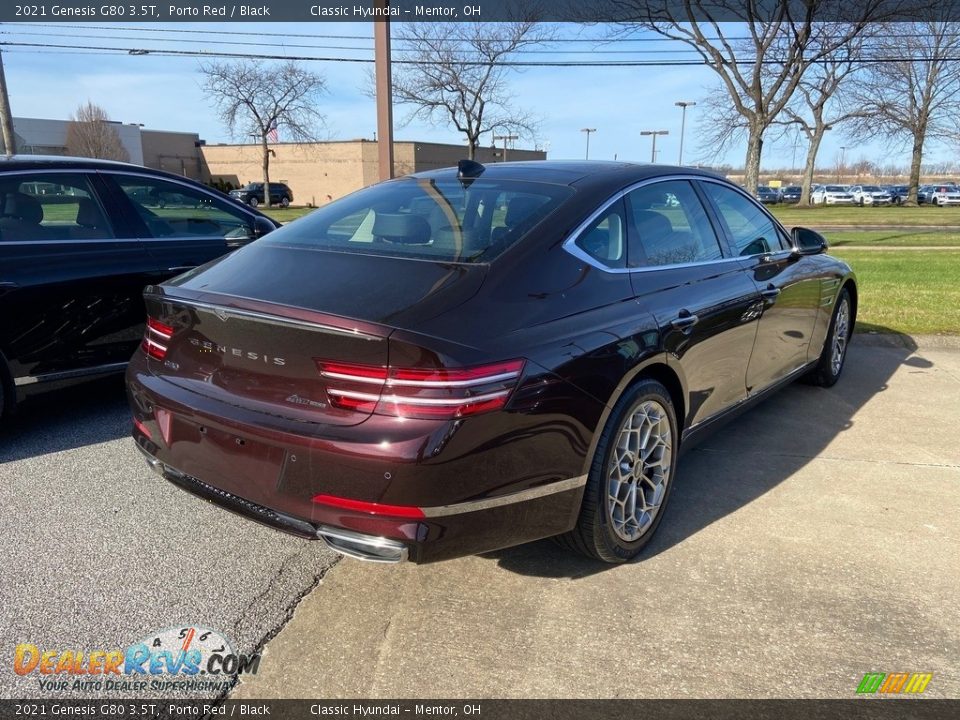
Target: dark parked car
x: 768, y: 195
x: 791, y: 194
x: 898, y: 193
x: 467, y: 359
x: 79, y: 240
x: 252, y: 194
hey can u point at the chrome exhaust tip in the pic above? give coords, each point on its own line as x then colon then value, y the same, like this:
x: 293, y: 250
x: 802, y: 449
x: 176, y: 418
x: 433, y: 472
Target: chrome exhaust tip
x: 363, y: 547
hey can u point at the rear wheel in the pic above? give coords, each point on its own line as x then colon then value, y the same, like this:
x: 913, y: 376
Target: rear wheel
x: 254, y: 202
x: 834, y: 352
x: 630, y: 477
x: 285, y: 201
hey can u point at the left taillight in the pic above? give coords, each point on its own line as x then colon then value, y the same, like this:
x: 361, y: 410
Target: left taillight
x: 156, y: 339
x: 426, y: 393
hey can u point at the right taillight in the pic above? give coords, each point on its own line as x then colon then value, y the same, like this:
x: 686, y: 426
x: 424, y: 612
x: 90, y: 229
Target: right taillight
x: 430, y: 393
x: 156, y: 338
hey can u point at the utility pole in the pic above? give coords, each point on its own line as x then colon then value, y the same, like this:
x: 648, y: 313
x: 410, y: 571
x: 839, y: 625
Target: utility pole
x: 841, y: 168
x: 588, y: 131
x: 6, y: 118
x: 384, y: 84
x: 684, y: 104
x: 653, y: 134
x: 505, y: 139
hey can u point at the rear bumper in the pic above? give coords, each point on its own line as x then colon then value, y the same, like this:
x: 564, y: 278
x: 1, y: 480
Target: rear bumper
x: 489, y: 483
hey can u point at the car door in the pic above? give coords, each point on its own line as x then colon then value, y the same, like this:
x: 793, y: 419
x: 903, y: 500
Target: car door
x: 705, y: 303
x: 71, y: 277
x: 182, y: 225
x: 788, y: 283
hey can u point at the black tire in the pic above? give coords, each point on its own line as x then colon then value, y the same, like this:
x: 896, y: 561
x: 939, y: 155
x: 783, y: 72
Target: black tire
x: 254, y: 202
x: 861, y: 202
x: 284, y: 201
x: 594, y: 534
x: 826, y: 373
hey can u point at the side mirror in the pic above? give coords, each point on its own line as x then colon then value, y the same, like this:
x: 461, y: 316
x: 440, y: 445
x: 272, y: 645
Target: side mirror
x: 262, y: 226
x: 808, y: 242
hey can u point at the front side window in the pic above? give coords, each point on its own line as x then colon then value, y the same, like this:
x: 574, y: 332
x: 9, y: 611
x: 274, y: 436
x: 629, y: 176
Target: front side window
x: 751, y: 230
x: 51, y: 206
x: 669, y: 226
x: 172, y: 210
x: 423, y: 218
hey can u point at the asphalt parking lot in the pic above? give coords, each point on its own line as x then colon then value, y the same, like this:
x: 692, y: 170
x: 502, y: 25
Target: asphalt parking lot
x: 814, y: 539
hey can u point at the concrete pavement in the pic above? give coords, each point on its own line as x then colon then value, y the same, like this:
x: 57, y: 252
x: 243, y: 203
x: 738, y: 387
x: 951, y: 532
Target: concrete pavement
x: 814, y: 539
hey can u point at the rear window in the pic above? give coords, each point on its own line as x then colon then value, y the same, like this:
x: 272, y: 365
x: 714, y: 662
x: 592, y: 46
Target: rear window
x: 441, y: 220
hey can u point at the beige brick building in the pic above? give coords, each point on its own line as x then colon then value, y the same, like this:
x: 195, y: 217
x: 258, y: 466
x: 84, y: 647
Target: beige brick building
x: 324, y: 171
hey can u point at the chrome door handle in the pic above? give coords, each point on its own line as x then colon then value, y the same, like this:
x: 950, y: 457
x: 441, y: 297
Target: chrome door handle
x: 685, y: 321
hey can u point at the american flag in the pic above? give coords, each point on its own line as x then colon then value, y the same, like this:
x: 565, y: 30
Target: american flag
x: 273, y: 134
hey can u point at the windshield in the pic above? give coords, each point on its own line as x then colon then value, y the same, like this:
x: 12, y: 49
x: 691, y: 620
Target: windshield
x: 871, y: 188
x: 422, y: 218
x: 835, y: 188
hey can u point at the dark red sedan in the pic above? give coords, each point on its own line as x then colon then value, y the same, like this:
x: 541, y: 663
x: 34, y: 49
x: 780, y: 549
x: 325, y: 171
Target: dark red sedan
x: 467, y: 359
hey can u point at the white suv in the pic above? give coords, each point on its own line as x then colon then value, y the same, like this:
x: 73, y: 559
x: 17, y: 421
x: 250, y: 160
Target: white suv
x: 870, y: 195
x: 831, y: 195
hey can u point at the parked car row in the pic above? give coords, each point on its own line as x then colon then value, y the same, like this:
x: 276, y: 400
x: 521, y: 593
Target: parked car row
x: 861, y: 195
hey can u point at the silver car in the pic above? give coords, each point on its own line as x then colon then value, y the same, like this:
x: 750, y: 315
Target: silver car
x: 944, y: 195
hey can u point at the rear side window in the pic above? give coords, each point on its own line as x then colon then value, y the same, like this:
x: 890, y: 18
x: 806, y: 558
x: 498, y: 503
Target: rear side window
x: 751, y: 230
x: 421, y: 218
x: 51, y: 206
x: 605, y: 238
x: 172, y: 210
x: 669, y: 226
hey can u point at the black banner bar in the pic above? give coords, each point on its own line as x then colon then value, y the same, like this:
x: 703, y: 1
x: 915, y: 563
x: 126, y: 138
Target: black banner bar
x: 853, y: 709
x: 147, y: 11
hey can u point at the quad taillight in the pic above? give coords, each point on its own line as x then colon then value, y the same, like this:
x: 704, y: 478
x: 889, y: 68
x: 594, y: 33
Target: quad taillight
x: 431, y: 393
x: 156, y: 338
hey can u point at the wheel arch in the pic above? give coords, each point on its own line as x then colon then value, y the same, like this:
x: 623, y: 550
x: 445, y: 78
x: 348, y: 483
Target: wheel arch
x: 8, y: 398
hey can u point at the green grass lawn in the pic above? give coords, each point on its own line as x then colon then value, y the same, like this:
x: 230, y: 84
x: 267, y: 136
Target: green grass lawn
x: 913, y: 292
x: 791, y: 215
x: 285, y: 215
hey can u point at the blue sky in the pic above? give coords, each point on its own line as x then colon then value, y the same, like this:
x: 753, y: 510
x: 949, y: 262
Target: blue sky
x: 165, y: 92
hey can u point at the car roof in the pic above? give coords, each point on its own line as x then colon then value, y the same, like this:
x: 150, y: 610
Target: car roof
x: 593, y: 173
x: 10, y: 163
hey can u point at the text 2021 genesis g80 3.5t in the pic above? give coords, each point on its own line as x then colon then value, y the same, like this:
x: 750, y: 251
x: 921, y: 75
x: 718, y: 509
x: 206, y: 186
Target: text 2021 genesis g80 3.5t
x: 467, y: 359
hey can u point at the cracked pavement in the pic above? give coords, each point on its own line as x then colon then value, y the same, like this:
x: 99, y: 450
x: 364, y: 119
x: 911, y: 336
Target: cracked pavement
x: 99, y: 552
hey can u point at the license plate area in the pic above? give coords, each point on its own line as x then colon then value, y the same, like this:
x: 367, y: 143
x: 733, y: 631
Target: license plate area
x: 245, y: 467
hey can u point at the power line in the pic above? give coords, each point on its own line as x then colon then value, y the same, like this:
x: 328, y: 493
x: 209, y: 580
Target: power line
x: 167, y: 52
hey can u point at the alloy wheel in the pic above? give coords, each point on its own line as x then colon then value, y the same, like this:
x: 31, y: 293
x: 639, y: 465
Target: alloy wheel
x: 639, y: 470
x: 841, y: 334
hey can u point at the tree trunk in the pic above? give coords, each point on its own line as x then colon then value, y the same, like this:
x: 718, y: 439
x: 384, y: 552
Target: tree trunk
x: 752, y: 164
x: 808, y: 169
x: 266, y: 169
x: 915, y: 160
x: 472, y: 143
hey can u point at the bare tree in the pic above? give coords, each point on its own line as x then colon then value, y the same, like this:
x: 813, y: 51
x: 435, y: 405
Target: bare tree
x: 256, y: 99
x: 912, y: 90
x: 759, y: 50
x: 820, y: 103
x: 457, y: 76
x: 91, y: 134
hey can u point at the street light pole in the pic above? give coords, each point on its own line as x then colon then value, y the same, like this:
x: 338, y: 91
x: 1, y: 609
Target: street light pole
x: 6, y: 118
x: 588, y: 131
x: 653, y: 134
x: 505, y: 138
x: 843, y: 150
x: 384, y: 88
x: 684, y: 104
